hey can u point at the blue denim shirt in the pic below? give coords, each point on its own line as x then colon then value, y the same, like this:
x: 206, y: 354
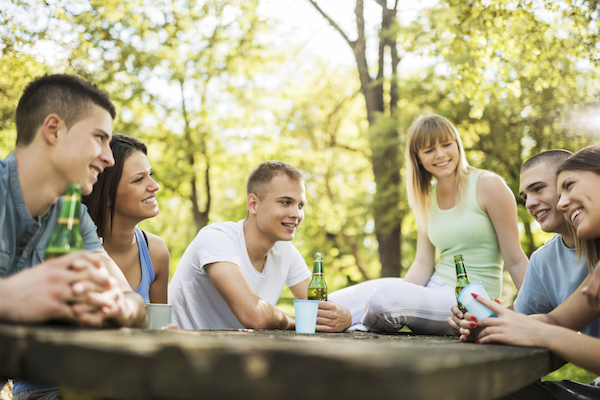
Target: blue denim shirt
x: 23, y: 239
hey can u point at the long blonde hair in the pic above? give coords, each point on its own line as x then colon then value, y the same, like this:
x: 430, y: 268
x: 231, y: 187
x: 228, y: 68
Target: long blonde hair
x: 425, y: 132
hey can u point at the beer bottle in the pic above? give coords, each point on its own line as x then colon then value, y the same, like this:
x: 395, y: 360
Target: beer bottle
x: 462, y: 279
x: 317, y: 288
x: 66, y: 237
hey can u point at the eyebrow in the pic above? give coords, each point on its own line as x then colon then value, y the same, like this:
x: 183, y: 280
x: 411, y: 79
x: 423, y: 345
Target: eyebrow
x: 532, y: 185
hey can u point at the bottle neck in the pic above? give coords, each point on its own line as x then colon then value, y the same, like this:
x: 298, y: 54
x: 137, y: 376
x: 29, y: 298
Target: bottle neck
x: 69, y: 212
x: 318, y: 268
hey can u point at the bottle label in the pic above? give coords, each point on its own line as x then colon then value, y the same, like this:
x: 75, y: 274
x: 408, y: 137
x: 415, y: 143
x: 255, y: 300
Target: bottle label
x: 68, y: 221
x: 463, y: 275
x: 318, y: 273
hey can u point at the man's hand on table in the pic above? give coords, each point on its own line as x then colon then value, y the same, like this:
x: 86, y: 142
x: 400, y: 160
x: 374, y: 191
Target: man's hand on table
x: 55, y: 289
x: 332, y: 317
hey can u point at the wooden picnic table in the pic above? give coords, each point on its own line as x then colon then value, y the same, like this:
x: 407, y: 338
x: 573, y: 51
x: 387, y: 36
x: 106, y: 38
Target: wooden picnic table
x: 265, y: 364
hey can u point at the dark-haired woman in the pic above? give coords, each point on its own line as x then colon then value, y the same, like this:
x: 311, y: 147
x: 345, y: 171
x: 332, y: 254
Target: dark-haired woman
x: 125, y: 195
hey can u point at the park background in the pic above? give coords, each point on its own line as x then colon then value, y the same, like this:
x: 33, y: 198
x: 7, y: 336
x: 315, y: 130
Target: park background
x: 331, y: 86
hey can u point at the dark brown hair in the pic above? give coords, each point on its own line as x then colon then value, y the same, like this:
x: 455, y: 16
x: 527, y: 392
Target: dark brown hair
x: 587, y: 159
x: 68, y: 96
x: 554, y: 158
x: 101, y: 202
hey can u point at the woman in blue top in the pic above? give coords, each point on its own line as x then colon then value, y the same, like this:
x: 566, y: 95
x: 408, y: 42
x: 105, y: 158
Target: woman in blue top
x: 459, y: 210
x: 123, y: 197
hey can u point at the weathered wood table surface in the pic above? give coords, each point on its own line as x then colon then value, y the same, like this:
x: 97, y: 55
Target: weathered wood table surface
x: 231, y: 364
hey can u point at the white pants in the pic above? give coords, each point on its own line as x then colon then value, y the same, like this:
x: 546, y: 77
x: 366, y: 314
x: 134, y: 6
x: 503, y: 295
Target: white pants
x: 388, y: 304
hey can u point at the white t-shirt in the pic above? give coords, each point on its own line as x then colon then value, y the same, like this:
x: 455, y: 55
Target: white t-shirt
x: 196, y: 302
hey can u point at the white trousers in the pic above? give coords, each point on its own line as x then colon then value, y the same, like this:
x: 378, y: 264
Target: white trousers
x: 388, y: 304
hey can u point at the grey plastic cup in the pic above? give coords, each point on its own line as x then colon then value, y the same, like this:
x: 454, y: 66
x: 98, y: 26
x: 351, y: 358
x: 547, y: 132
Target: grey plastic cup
x: 473, y: 306
x: 306, y: 315
x: 159, y: 315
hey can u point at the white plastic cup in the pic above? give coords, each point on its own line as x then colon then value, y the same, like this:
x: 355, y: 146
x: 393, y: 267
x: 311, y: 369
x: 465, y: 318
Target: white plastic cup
x: 159, y: 315
x: 473, y: 306
x: 306, y: 315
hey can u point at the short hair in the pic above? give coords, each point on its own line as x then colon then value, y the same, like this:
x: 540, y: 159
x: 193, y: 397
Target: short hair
x: 69, y: 96
x: 552, y: 158
x: 262, y: 175
x: 102, y: 201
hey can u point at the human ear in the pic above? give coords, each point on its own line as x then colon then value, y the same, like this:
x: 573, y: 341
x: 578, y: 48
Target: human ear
x: 251, y: 203
x: 51, y: 127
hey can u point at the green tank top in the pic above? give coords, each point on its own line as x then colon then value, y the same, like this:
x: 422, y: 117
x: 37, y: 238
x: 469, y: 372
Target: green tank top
x: 469, y: 232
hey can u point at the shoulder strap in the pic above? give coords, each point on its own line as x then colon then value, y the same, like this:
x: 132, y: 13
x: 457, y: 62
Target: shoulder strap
x: 145, y: 238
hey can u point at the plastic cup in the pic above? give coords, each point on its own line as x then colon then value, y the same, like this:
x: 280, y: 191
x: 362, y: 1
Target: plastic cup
x: 159, y: 315
x: 473, y: 306
x: 306, y: 315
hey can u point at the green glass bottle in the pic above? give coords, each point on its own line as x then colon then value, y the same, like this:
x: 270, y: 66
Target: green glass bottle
x: 317, y: 288
x: 462, y: 279
x: 66, y: 237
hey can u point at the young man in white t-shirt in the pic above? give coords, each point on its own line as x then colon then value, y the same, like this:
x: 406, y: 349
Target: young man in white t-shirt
x: 232, y: 274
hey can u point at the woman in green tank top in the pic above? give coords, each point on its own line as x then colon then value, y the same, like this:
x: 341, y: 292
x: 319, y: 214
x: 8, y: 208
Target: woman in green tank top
x: 459, y: 210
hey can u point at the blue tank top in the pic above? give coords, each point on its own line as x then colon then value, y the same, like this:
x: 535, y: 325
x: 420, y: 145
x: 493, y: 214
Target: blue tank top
x: 147, y: 267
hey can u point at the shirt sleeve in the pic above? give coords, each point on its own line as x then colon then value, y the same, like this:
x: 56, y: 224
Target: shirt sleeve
x: 88, y: 230
x: 533, y: 296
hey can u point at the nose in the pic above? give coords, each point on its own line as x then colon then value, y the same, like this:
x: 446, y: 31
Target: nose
x: 531, y: 202
x: 107, y: 156
x: 438, y: 151
x: 154, y: 186
x: 563, y: 203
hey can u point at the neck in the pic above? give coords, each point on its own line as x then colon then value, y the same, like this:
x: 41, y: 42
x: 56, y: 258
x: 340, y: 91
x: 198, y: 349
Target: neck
x: 40, y: 185
x: 257, y: 245
x: 119, y: 239
x: 568, y: 240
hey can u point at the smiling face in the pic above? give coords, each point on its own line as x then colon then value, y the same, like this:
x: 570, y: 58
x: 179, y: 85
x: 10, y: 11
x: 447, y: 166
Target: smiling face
x: 579, y: 201
x: 84, y: 151
x: 281, y: 210
x: 136, y: 190
x: 538, y: 188
x: 441, y: 159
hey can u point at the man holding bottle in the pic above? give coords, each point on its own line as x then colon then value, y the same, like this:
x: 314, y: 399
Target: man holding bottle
x: 64, y: 125
x: 232, y: 274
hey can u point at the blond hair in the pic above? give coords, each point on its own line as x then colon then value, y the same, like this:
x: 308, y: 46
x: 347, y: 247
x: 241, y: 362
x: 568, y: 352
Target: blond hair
x: 425, y: 132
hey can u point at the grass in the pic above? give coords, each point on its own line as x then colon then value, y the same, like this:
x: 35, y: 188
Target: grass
x: 570, y: 372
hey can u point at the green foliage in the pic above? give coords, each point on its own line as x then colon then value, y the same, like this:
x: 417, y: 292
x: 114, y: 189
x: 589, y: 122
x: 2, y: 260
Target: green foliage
x: 200, y: 83
x: 572, y: 373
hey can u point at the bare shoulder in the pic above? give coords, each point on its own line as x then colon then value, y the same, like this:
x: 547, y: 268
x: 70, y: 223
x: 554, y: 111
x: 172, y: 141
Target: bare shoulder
x: 488, y: 180
x: 493, y: 192
x: 159, y: 252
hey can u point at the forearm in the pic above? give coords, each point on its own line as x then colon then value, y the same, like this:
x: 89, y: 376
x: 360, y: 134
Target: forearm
x: 266, y: 316
x: 517, y: 271
x: 581, y: 350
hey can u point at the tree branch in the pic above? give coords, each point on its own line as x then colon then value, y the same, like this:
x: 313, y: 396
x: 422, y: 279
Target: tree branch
x: 333, y: 23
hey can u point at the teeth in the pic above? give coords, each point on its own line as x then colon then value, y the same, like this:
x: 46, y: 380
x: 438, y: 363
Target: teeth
x: 538, y: 215
x: 95, y: 172
x: 575, y: 214
x: 290, y: 225
x: 442, y: 164
x: 150, y: 200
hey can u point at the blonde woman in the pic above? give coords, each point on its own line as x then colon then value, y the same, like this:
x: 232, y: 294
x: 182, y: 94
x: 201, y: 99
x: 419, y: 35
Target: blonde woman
x: 459, y: 210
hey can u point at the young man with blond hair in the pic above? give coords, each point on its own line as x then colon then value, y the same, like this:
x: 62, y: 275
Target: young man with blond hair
x: 232, y: 274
